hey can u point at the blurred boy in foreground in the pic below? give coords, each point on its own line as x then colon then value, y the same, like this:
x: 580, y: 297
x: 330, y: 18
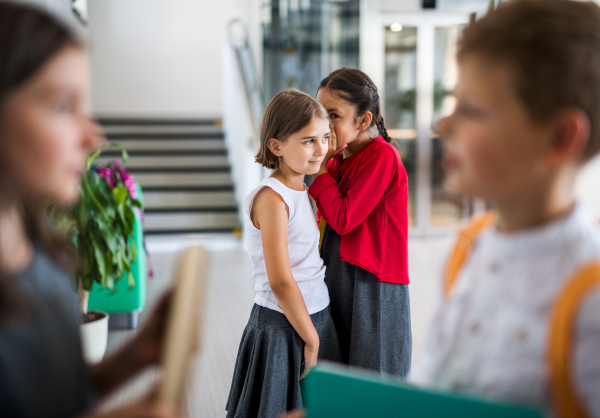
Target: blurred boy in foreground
x: 527, y: 118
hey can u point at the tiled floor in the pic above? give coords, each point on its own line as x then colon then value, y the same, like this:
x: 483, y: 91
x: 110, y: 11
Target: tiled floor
x: 230, y: 297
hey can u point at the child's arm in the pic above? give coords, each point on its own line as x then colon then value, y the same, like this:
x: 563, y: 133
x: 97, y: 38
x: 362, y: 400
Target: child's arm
x: 270, y: 215
x: 346, y: 213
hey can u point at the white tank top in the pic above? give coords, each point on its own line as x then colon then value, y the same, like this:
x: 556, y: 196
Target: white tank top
x: 303, y: 248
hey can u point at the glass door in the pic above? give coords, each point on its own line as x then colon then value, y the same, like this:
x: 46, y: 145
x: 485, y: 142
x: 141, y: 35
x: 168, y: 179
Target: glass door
x: 419, y: 74
x: 400, y: 83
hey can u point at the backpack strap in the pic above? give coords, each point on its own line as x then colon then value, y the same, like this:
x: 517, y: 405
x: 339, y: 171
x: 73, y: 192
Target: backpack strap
x: 466, y: 238
x: 561, y: 339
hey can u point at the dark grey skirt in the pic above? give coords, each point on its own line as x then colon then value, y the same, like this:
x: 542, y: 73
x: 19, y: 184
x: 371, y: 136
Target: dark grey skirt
x: 372, y: 318
x: 266, y: 379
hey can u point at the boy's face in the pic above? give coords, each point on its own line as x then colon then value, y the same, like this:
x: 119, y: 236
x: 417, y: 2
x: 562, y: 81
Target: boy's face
x: 492, y: 149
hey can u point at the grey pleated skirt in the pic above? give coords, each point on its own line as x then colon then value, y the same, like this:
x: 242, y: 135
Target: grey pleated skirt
x: 266, y: 379
x: 372, y: 318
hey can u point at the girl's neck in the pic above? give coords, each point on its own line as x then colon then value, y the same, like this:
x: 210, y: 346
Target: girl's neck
x: 16, y: 250
x: 288, y: 177
x: 357, y: 144
x: 538, y: 206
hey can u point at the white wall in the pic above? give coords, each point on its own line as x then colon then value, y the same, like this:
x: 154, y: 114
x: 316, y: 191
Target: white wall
x: 239, y: 135
x: 587, y: 187
x: 158, y: 57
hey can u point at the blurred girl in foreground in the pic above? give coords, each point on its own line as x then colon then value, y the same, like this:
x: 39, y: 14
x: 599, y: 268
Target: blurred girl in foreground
x: 45, y: 135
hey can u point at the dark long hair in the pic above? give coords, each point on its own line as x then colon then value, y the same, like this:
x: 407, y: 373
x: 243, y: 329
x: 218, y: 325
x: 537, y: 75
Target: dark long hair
x: 29, y: 39
x: 358, y: 89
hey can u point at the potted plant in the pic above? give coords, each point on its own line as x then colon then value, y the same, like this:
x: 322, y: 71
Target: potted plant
x: 103, y: 222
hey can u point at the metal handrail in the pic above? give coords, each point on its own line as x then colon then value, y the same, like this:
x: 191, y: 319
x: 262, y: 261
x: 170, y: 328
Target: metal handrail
x: 238, y: 38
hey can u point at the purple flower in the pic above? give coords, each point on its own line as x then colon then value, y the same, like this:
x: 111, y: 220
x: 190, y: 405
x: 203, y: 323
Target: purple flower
x: 129, y: 182
x: 107, y: 174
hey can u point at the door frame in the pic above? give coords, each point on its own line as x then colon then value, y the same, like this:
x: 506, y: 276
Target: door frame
x: 372, y: 61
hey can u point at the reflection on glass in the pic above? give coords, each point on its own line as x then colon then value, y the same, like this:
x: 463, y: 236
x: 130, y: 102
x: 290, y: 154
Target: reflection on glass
x: 304, y: 40
x: 447, y: 208
x: 400, y: 101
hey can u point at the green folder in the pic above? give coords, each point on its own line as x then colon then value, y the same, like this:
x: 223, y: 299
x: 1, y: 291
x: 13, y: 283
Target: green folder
x: 334, y: 391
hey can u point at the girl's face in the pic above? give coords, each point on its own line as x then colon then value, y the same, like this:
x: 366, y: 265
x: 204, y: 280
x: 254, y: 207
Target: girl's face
x: 304, y: 150
x: 46, y: 131
x: 342, y: 116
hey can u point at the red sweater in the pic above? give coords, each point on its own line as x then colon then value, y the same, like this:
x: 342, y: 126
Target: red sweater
x: 368, y: 209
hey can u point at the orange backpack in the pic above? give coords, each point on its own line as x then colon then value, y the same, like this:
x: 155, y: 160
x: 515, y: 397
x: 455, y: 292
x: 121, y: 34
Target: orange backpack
x: 559, y: 345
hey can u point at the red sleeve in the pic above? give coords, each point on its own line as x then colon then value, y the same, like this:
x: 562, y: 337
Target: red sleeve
x: 344, y: 214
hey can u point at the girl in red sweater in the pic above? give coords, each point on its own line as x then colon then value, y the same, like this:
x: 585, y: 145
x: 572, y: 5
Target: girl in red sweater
x: 361, y: 192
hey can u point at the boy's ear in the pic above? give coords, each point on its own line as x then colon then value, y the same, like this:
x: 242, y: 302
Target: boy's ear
x: 570, y: 136
x: 274, y: 146
x: 365, y: 121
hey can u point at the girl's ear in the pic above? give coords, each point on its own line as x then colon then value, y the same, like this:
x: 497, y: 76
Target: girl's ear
x: 274, y: 146
x: 365, y: 121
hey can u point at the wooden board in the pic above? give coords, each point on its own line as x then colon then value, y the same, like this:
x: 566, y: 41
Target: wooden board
x: 335, y: 391
x: 183, y: 324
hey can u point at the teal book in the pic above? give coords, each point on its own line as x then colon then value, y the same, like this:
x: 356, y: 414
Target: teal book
x: 336, y: 391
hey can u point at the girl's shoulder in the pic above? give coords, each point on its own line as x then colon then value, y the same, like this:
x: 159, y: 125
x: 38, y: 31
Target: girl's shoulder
x: 270, y: 189
x: 383, y: 155
x: 384, y: 150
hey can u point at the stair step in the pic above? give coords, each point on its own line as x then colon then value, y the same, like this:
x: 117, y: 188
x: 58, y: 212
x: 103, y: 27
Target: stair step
x: 172, y: 144
x: 161, y: 129
x: 147, y: 180
x: 192, y: 189
x: 165, y: 136
x: 166, y: 153
x: 168, y: 170
x: 107, y: 120
x: 190, y: 199
x: 182, y: 167
x: 189, y: 222
x: 213, y: 209
x: 154, y: 162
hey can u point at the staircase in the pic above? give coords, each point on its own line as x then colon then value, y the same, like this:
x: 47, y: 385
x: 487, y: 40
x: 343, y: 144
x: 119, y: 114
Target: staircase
x: 182, y: 167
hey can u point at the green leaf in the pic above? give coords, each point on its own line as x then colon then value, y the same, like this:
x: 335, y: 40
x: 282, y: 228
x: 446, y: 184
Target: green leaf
x: 110, y: 282
x: 100, y: 262
x: 124, y: 154
x: 87, y: 282
x: 120, y: 194
x: 131, y: 281
x: 92, y: 158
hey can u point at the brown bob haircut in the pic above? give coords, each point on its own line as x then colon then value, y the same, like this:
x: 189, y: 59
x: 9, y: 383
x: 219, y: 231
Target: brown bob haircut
x: 552, y: 48
x: 287, y: 113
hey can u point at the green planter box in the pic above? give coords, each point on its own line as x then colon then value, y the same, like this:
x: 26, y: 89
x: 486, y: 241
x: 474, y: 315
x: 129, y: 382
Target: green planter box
x: 332, y: 391
x: 125, y: 300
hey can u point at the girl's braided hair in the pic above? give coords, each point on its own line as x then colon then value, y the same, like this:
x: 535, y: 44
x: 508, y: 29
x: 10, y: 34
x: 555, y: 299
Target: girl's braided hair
x: 358, y: 89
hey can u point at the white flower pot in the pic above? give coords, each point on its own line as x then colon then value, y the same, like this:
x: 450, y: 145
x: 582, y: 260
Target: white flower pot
x: 93, y: 338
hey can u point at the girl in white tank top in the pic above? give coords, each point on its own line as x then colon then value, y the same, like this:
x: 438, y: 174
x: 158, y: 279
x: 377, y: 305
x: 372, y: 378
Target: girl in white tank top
x: 290, y: 325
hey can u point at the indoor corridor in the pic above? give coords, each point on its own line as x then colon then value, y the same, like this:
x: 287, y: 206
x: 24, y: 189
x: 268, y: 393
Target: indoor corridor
x: 229, y: 298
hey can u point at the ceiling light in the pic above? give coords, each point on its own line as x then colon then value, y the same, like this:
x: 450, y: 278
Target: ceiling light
x: 396, y: 27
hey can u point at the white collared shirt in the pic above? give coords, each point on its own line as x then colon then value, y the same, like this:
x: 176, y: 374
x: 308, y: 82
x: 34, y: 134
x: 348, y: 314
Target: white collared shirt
x: 488, y: 339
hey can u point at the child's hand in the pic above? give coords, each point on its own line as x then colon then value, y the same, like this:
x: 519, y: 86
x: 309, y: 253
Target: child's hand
x: 296, y: 413
x: 311, y: 352
x: 332, y: 151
